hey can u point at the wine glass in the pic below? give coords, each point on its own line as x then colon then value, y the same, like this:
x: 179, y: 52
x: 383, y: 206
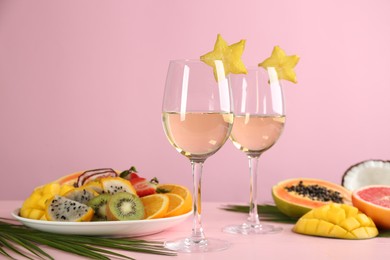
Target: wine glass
x: 197, y: 117
x: 258, y: 123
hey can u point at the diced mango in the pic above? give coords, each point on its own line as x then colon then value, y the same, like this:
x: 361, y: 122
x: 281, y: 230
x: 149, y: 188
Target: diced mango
x: 337, y: 231
x: 349, y: 235
x: 311, y: 226
x: 360, y: 232
x: 350, y: 223
x: 35, y: 205
x: 25, y: 212
x: 300, y: 226
x: 41, y: 202
x: 321, y: 214
x: 350, y: 211
x: 323, y: 228
x: 372, y: 231
x: 338, y: 221
x: 310, y: 214
x: 36, y: 214
x: 51, y: 188
x: 64, y: 189
x: 364, y: 220
x: 336, y: 215
x: 39, y: 189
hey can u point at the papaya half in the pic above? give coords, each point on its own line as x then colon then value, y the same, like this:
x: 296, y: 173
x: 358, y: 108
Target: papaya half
x: 296, y: 197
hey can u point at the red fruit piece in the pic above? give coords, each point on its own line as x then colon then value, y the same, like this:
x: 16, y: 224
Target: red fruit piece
x: 129, y: 174
x: 143, y: 187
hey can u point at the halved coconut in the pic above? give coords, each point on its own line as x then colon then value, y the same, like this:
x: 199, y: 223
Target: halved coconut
x: 370, y: 172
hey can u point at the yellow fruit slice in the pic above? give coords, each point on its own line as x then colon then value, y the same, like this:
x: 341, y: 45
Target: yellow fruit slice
x: 338, y: 221
x: 112, y: 185
x: 180, y: 190
x: 230, y: 55
x: 35, y: 205
x: 176, y: 205
x: 155, y: 205
x: 283, y: 64
x: 82, y: 195
x: 95, y: 185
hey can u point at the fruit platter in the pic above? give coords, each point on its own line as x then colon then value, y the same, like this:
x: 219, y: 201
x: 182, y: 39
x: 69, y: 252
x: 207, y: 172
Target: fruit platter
x: 105, y: 202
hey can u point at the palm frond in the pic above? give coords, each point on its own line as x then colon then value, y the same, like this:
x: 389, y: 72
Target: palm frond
x: 23, y: 241
x: 266, y: 213
x: 384, y: 233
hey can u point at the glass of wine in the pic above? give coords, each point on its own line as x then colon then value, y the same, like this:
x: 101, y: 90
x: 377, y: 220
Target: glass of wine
x: 197, y: 117
x: 258, y: 123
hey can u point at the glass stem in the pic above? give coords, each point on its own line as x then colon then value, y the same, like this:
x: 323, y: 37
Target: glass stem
x: 253, y: 218
x: 197, y: 229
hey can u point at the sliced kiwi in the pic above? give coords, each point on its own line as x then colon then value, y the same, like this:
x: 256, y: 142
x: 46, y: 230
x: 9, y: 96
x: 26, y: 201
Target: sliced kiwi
x: 125, y: 206
x: 99, y: 204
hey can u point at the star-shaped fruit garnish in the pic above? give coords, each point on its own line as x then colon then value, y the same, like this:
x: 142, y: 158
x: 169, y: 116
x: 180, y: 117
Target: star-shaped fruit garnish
x: 283, y: 64
x: 230, y: 55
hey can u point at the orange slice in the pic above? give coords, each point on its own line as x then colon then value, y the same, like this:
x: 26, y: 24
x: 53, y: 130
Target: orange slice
x: 176, y: 205
x: 155, y: 205
x: 180, y: 190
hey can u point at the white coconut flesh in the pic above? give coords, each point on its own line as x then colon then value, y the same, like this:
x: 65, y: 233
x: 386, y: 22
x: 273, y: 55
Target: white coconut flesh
x: 371, y: 172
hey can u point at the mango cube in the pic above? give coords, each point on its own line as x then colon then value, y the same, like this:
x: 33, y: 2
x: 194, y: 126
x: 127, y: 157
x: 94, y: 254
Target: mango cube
x: 337, y: 221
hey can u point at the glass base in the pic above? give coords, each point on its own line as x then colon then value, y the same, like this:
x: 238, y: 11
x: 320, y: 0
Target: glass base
x: 249, y: 229
x: 187, y: 245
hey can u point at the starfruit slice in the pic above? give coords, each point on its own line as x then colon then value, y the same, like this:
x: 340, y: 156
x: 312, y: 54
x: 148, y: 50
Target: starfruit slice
x: 230, y: 55
x: 337, y: 221
x: 283, y: 64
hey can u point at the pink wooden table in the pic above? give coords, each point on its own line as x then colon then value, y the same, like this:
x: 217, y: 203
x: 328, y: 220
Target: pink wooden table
x: 284, y: 245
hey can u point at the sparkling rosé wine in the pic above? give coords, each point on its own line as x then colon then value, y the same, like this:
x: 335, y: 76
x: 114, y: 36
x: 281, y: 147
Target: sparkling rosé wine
x: 197, y: 134
x: 254, y: 134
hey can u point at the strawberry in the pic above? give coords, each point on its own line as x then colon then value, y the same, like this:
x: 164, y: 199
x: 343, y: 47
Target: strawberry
x: 129, y: 174
x: 143, y: 187
x: 140, y: 184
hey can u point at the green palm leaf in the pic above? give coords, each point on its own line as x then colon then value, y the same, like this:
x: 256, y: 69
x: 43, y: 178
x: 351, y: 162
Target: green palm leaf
x: 25, y: 242
x: 266, y: 213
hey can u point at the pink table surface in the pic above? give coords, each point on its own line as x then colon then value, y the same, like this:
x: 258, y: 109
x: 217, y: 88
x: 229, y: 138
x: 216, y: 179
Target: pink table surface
x: 284, y: 245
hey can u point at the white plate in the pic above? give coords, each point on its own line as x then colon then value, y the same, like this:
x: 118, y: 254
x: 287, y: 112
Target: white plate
x: 131, y: 228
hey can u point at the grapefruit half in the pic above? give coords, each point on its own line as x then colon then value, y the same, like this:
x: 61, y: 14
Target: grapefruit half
x: 374, y: 201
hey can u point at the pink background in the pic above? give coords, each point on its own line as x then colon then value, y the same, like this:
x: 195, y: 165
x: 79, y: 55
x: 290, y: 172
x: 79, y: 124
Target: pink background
x: 81, y: 84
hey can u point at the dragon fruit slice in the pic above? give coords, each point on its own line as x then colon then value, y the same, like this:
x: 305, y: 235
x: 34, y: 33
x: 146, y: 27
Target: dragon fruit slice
x: 82, y: 195
x: 63, y: 209
x: 369, y: 172
x: 112, y: 185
